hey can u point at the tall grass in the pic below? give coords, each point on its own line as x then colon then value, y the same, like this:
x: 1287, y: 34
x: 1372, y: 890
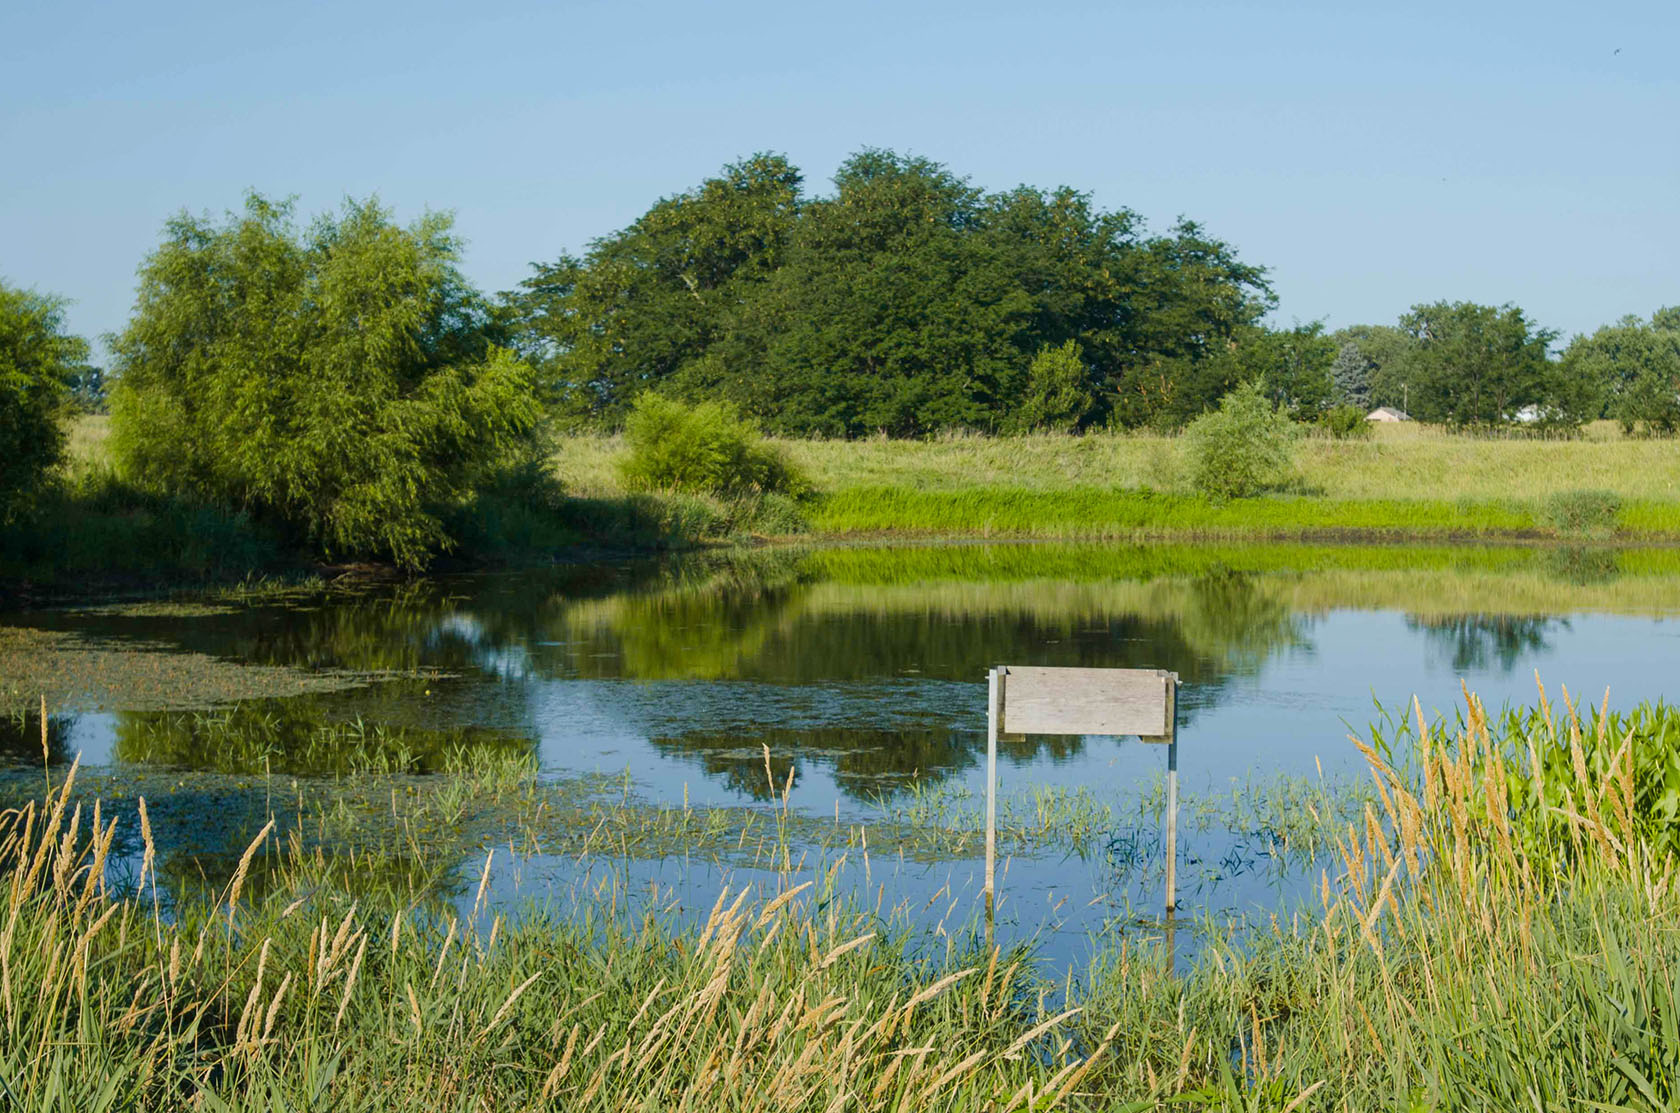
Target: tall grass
x: 1091, y: 512
x: 1398, y: 462
x: 301, y: 1001
x: 1502, y: 932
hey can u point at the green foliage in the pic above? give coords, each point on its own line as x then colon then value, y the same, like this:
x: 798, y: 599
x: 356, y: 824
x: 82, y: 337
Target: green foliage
x: 1633, y: 369
x: 706, y: 448
x: 1243, y: 447
x: 1057, y: 395
x: 1649, y: 771
x: 345, y: 383
x: 1346, y: 423
x: 1293, y: 364
x: 906, y: 302
x: 1582, y: 513
x: 660, y: 294
x: 93, y: 527
x: 38, y: 361
x: 1379, y: 358
x: 1350, y: 376
x: 1479, y: 365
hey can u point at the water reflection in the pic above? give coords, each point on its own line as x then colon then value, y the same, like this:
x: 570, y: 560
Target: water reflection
x: 1472, y: 642
x: 861, y: 666
x: 860, y: 671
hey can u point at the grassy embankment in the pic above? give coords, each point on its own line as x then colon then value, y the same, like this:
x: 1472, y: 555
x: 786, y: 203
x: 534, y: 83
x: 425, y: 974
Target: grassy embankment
x: 1502, y: 932
x: 1406, y: 482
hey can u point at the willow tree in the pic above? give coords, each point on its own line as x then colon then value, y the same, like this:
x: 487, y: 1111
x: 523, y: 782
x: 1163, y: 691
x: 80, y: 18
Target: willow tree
x: 344, y: 381
x: 38, y: 361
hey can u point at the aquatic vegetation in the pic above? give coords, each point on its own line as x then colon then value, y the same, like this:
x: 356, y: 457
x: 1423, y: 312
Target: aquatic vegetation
x: 295, y: 737
x: 1452, y: 961
x: 301, y: 995
x: 86, y: 671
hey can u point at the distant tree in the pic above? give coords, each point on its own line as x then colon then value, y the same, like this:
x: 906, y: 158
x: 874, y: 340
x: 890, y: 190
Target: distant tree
x: 1294, y: 364
x: 38, y: 359
x: 1387, y: 352
x: 1058, y: 394
x: 906, y: 301
x: 1633, y: 367
x: 1350, y: 375
x: 1475, y: 364
x: 891, y: 314
x: 1191, y: 303
x: 345, y: 383
x: 89, y: 389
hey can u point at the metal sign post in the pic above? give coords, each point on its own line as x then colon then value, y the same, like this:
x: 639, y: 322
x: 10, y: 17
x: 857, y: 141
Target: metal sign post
x: 1023, y: 700
x: 1172, y: 796
x: 994, y: 687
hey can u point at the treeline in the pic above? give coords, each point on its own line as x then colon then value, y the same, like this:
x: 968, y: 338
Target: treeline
x: 908, y: 302
x: 339, y: 389
x: 343, y: 383
x: 1469, y: 365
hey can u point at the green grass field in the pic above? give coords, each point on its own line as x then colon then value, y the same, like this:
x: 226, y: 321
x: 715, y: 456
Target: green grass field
x: 1402, y: 462
x: 1405, y: 482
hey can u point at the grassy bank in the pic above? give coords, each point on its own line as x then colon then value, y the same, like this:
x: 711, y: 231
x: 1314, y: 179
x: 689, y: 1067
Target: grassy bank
x: 1502, y: 931
x: 95, y: 535
x: 1398, y: 462
x: 1405, y: 482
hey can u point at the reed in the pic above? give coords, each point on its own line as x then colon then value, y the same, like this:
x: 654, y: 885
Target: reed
x: 293, y: 1001
x: 1501, y: 930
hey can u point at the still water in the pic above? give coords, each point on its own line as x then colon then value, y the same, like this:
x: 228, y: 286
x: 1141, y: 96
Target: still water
x: 862, y: 672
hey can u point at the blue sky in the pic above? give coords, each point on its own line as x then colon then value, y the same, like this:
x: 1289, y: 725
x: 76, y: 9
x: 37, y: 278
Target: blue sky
x: 1372, y: 155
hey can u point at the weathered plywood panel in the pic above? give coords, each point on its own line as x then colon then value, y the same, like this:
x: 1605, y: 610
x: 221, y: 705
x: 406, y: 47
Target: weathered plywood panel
x: 1085, y: 701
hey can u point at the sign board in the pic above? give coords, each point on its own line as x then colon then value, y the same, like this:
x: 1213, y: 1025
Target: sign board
x: 1032, y: 700
x: 1085, y: 701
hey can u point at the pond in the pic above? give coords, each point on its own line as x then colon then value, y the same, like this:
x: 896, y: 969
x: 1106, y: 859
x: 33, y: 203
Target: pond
x: 701, y: 683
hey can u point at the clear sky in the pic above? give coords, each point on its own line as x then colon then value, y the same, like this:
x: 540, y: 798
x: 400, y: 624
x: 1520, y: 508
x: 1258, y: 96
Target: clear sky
x: 1373, y: 155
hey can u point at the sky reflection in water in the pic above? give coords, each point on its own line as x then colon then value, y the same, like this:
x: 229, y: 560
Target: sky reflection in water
x: 864, y: 671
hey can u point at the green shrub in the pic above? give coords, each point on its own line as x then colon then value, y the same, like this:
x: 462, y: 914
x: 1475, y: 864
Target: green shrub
x: 94, y: 525
x: 1345, y: 423
x: 1058, y: 396
x: 703, y: 449
x: 344, y: 383
x: 37, y: 361
x: 1242, y: 448
x: 1581, y: 513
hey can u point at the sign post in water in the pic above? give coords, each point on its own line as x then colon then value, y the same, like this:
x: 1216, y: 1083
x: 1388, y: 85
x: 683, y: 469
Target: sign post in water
x: 1024, y: 700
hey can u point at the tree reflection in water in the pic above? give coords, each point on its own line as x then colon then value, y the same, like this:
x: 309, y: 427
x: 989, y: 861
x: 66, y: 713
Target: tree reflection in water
x: 1472, y: 642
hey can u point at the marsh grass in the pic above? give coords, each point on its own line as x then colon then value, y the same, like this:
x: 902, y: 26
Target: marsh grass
x: 304, y: 998
x: 1500, y: 930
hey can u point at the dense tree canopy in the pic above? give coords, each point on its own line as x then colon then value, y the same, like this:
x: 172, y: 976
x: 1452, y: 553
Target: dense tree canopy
x: 1634, y: 366
x: 345, y: 382
x: 1459, y: 363
x: 39, y: 361
x: 1474, y: 364
x: 904, y: 302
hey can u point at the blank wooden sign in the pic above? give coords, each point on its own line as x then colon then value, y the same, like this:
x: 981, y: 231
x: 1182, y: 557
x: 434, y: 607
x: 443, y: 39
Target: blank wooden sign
x: 1085, y: 701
